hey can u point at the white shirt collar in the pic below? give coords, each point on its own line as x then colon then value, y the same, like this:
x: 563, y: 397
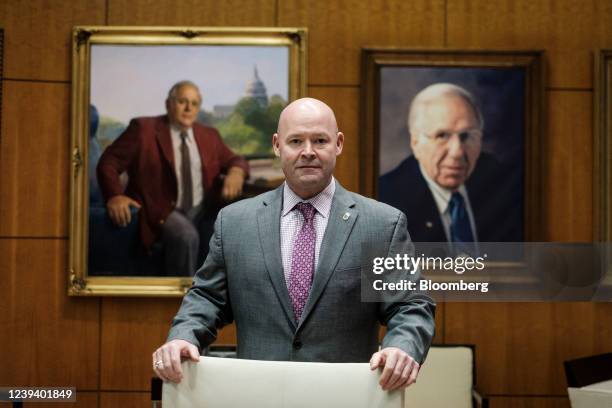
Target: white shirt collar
x: 175, y: 132
x: 321, y: 202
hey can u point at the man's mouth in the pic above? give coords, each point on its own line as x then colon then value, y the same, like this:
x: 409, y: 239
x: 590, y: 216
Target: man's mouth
x: 454, y: 169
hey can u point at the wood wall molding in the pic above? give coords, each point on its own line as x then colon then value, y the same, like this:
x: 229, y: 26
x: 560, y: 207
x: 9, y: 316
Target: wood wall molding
x: 47, y: 338
x: 568, y: 186
x: 34, y: 166
x: 520, y: 347
x: 132, y: 328
x: 192, y: 13
x: 37, y: 36
x: 568, y: 30
x: 529, y: 402
x: 125, y: 399
x: 340, y: 28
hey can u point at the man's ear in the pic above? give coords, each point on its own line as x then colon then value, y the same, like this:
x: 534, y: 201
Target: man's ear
x: 414, y: 141
x: 275, y: 145
x: 339, y: 143
x: 415, y: 145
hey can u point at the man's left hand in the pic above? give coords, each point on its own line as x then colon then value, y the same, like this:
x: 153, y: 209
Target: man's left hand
x: 399, y: 369
x: 232, y: 186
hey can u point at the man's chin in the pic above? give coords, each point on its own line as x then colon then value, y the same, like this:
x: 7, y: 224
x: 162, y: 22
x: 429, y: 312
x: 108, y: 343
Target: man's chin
x: 451, y: 182
x: 310, y: 179
x: 307, y: 186
x: 186, y: 124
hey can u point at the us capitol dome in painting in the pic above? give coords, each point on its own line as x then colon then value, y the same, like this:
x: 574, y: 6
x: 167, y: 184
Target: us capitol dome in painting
x: 257, y: 90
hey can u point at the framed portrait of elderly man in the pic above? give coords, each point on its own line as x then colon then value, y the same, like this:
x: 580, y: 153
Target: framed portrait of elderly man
x: 169, y: 125
x: 455, y: 129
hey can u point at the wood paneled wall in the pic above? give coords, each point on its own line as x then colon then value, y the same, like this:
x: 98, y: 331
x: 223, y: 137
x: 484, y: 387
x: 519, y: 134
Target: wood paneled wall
x: 103, y: 346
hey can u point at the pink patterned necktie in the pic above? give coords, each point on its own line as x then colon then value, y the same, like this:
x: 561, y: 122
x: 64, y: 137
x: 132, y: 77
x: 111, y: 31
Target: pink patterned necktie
x: 302, y: 260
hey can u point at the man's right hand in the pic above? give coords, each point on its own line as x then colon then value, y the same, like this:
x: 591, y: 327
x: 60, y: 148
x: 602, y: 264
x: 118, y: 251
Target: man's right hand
x: 119, y: 209
x: 167, y: 359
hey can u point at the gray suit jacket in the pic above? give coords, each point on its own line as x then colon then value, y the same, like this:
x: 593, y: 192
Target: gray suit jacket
x: 242, y: 279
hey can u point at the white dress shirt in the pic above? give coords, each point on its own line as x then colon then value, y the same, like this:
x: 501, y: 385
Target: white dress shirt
x: 292, y: 221
x: 196, y: 165
x: 442, y: 197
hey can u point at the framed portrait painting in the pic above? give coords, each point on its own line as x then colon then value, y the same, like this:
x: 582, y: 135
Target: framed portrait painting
x: 446, y: 123
x: 128, y: 101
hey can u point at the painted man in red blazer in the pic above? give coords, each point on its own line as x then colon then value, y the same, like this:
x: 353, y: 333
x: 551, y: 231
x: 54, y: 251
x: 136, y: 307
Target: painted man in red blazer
x: 172, y: 164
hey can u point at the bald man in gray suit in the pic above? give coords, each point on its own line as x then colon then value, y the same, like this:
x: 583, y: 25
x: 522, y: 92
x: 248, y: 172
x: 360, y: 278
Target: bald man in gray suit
x: 285, y: 266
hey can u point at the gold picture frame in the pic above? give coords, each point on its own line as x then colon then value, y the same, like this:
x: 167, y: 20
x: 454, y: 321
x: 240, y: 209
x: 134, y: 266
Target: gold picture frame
x: 602, y: 161
x: 602, y: 149
x: 89, y: 39
x: 1, y: 76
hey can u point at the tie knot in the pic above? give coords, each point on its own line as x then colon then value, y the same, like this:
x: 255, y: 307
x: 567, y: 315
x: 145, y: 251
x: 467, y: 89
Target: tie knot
x: 307, y: 210
x: 183, y: 136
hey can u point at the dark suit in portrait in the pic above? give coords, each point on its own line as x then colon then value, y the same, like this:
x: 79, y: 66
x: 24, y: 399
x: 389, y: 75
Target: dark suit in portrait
x: 493, y: 190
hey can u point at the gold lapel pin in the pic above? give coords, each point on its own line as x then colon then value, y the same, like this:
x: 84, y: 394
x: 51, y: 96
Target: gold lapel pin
x: 346, y: 216
x: 429, y: 224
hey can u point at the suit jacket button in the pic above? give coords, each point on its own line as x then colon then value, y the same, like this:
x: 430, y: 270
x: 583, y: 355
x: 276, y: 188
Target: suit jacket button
x: 161, y: 222
x: 297, y: 344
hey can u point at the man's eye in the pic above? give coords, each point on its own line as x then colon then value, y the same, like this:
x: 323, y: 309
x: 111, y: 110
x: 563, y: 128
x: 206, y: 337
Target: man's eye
x: 295, y: 141
x: 443, y: 135
x: 321, y: 141
x: 463, y: 136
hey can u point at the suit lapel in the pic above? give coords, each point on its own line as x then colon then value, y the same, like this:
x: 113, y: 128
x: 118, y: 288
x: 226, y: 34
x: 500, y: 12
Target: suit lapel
x: 418, y: 204
x: 268, y: 222
x: 427, y: 217
x: 164, y: 140
x: 342, y: 217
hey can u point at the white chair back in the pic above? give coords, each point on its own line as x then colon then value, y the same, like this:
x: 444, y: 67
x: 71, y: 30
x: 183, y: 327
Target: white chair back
x: 228, y: 383
x: 598, y: 395
x: 445, y: 380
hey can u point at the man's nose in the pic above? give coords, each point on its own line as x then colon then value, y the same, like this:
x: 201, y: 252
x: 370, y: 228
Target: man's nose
x: 308, y: 151
x: 455, y: 146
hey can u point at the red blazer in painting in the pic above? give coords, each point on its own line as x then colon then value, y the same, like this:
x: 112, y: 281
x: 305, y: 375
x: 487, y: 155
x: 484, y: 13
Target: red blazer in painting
x: 144, y: 152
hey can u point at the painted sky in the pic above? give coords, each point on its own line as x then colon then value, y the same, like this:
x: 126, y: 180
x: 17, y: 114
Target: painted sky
x: 131, y: 81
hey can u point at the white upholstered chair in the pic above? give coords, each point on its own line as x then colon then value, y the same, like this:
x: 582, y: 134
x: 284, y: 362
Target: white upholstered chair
x: 446, y: 379
x: 589, y: 381
x: 233, y: 383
